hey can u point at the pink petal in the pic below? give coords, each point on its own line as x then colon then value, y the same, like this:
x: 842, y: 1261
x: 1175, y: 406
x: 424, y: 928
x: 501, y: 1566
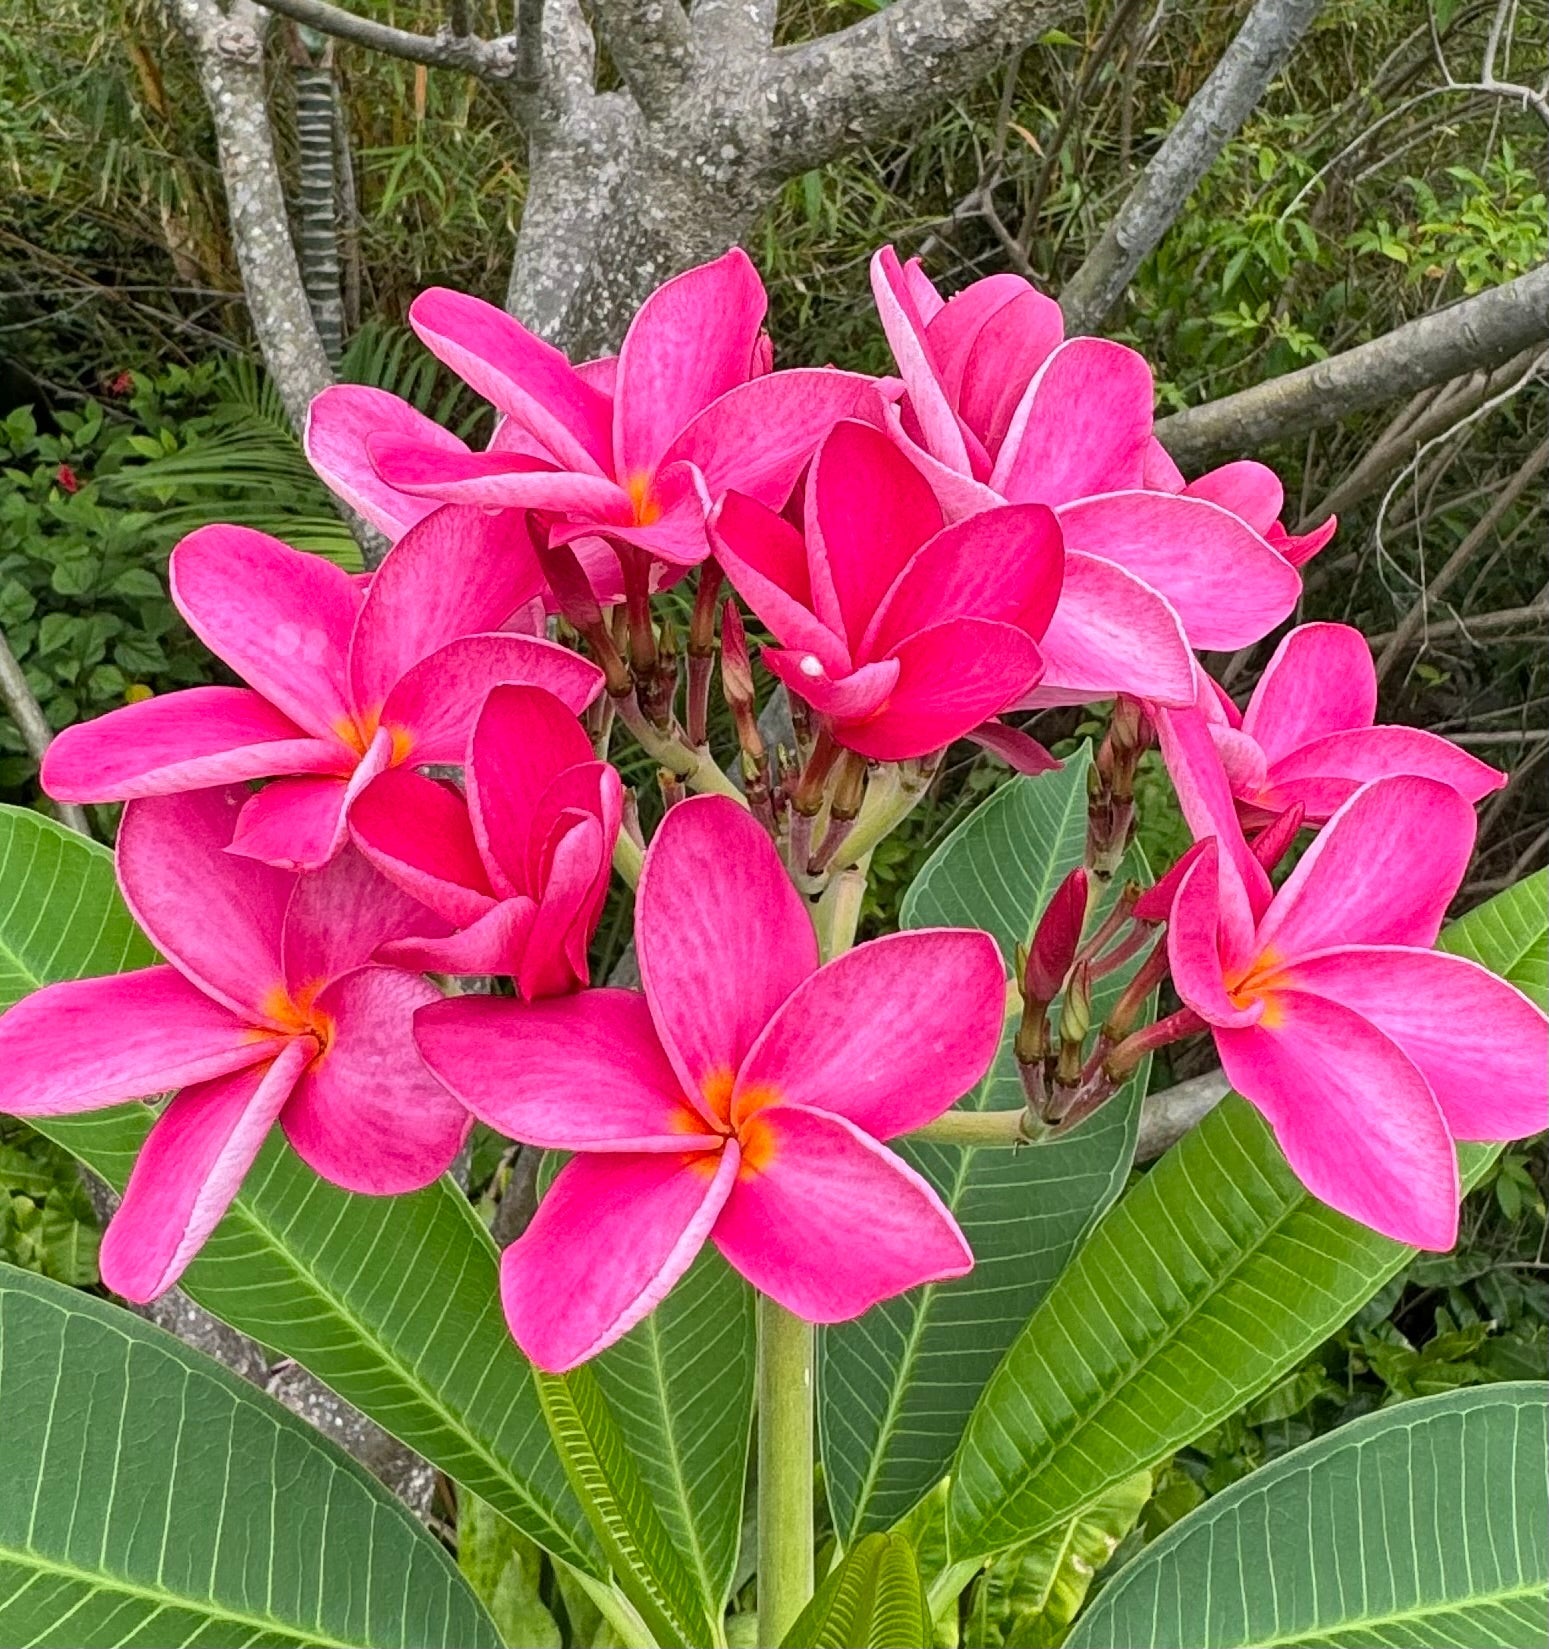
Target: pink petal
x: 459, y: 572
x: 1320, y: 681
x: 905, y: 330
x: 216, y: 917
x: 1242, y: 760
x: 416, y: 831
x: 1322, y: 774
x: 759, y: 436
x: 281, y: 618
x: 1300, y: 548
x: 952, y: 333
x: 1020, y: 751
x: 1010, y: 347
x: 1224, y: 582
x: 340, y: 916
x: 577, y: 861
x: 888, y: 1035
x: 191, y: 1165
x: 1381, y: 872
x: 868, y: 510
x: 676, y: 503
x: 1112, y: 633
x: 609, y: 1240
x: 294, y: 824
x: 1355, y: 1118
x: 500, y: 479
x: 575, y: 1073
x: 1159, y: 471
x: 523, y: 740
x: 1188, y: 744
x: 590, y: 789
x: 765, y: 559
x: 1195, y: 945
x: 1480, y: 1043
x: 828, y: 1222
x: 368, y: 1115
x: 1246, y: 488
x: 528, y: 380
x: 722, y: 935
x: 1081, y: 428
x: 855, y: 694
x: 951, y: 678
x: 1006, y: 564
x: 957, y: 492
x: 339, y: 420
x: 601, y: 374
x: 435, y: 702
x: 188, y: 740
x: 84, y: 1043
x: 494, y: 942
x: 691, y: 341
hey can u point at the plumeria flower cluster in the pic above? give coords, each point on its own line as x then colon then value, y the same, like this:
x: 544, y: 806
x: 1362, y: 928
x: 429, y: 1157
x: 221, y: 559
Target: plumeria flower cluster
x: 413, y: 785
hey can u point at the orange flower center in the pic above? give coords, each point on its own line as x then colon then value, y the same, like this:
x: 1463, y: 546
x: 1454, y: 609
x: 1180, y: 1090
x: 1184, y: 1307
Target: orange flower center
x: 740, y: 1121
x: 357, y: 735
x: 297, y: 1014
x: 1257, y: 983
x: 647, y: 509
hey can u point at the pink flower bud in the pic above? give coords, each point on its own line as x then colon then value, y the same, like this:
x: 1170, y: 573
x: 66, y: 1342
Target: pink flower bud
x: 67, y: 478
x: 1054, y: 942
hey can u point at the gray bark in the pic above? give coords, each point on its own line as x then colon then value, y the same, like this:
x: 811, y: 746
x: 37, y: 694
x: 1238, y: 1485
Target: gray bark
x: 32, y: 724
x: 1473, y: 335
x: 228, y: 52
x: 1214, y: 116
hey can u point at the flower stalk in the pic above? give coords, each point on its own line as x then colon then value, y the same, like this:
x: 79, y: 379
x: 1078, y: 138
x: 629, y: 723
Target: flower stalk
x: 785, y: 1568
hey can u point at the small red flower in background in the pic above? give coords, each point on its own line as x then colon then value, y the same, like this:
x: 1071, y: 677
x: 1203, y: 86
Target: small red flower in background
x: 122, y: 385
x: 67, y: 478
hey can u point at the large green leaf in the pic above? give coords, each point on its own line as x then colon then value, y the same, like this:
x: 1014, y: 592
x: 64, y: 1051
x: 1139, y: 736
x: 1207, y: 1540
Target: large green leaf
x: 1213, y: 1277
x: 151, y: 1497
x: 681, y: 1386
x: 1423, y: 1524
x: 873, y: 1600
x: 897, y: 1385
x: 394, y: 1302
x: 651, y: 1571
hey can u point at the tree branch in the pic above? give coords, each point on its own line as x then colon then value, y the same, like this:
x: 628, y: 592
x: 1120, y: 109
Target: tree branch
x: 1215, y: 114
x: 650, y: 45
x: 1476, y: 334
x: 32, y: 724
x: 722, y: 26
x: 488, y: 59
x: 817, y: 99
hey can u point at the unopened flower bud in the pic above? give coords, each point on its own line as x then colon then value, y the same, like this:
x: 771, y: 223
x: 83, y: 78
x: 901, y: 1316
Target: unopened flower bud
x: 736, y: 665
x: 701, y: 629
x: 1272, y: 843
x: 1076, y: 1010
x: 577, y: 601
x: 1056, y: 939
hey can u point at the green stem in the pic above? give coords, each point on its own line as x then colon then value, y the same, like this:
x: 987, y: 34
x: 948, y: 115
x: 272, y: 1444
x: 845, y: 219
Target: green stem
x: 785, y: 1576
x: 978, y: 1128
x: 696, y: 768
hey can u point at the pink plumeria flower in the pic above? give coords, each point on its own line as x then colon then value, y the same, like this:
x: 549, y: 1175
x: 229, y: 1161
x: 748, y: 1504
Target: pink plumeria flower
x: 1000, y: 410
x: 1307, y: 737
x: 521, y: 869
x: 632, y: 451
x: 267, y: 1009
x: 902, y: 632
x: 1367, y: 1052
x: 345, y: 680
x: 740, y: 1098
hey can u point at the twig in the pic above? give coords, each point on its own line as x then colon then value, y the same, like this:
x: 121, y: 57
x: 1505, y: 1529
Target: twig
x: 33, y: 726
x: 446, y: 49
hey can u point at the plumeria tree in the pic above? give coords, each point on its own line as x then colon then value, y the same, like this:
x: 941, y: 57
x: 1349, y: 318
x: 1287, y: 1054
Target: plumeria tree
x: 866, y: 1192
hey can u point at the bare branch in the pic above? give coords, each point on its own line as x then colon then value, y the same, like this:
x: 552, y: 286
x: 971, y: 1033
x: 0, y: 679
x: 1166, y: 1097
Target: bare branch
x: 649, y: 42
x: 1167, y: 1116
x: 1476, y: 334
x: 32, y: 724
x: 1512, y: 622
x: 815, y: 100
x: 488, y: 59
x: 1215, y: 114
x: 1482, y: 533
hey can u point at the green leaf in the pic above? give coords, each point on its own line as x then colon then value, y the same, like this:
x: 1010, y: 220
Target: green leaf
x: 646, y: 1562
x: 504, y: 1568
x: 1212, y: 1278
x: 896, y: 1386
x: 873, y: 1600
x: 152, y: 1497
x: 1028, y: 1597
x: 393, y: 1301
x: 681, y: 1386
x: 1423, y: 1524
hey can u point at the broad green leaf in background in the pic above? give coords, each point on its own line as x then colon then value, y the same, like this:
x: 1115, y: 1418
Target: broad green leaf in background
x: 1213, y: 1277
x: 392, y: 1301
x: 151, y: 1497
x: 873, y: 1600
x: 504, y: 1568
x: 649, y: 1568
x: 681, y: 1386
x: 1426, y: 1523
x: 1028, y: 1596
x: 896, y: 1386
